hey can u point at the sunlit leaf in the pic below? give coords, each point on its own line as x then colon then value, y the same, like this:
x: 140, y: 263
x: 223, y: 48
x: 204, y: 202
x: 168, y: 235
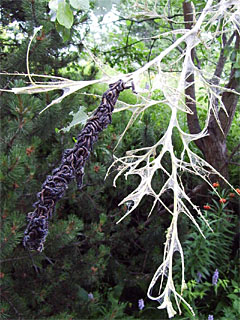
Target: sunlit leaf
x: 65, y: 15
x: 80, y: 4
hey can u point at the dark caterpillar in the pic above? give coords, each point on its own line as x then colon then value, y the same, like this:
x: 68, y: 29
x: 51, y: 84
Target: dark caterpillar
x: 72, y: 167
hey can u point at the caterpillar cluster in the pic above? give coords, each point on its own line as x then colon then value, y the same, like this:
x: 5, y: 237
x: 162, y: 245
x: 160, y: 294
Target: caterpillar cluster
x: 71, y: 167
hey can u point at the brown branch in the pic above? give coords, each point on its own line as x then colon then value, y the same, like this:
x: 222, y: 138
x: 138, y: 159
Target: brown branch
x: 171, y: 26
x: 17, y: 258
x: 230, y: 99
x: 230, y: 157
x: 124, y: 47
x: 234, y: 163
x: 129, y: 31
x: 190, y: 100
x: 135, y: 42
x: 233, y: 152
x: 148, y: 19
x: 222, y: 59
x: 12, y: 305
x: 217, y: 75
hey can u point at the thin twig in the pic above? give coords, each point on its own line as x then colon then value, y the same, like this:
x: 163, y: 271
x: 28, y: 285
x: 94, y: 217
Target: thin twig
x: 12, y: 305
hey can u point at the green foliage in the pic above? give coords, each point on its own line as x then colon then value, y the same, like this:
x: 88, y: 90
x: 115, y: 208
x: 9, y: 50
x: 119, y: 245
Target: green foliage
x: 86, y: 252
x: 65, y: 15
x: 222, y: 222
x: 207, y: 255
x: 62, y: 12
x: 93, y: 268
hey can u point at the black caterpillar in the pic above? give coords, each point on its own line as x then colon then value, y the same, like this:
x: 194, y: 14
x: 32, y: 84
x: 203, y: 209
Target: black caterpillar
x: 72, y: 167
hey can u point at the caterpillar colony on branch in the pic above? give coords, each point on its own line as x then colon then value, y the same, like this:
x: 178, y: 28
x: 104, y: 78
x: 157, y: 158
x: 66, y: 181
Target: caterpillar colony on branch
x: 71, y: 167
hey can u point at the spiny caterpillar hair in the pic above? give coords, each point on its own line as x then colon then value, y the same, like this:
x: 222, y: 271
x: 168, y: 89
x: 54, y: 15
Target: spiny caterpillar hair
x: 71, y: 167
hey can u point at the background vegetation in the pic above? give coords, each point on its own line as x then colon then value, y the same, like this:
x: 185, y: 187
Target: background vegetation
x: 92, y: 268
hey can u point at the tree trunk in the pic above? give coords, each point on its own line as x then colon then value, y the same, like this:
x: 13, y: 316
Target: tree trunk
x: 213, y: 146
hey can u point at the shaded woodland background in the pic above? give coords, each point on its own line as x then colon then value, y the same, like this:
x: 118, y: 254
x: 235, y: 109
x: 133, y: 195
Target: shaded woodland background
x: 92, y: 268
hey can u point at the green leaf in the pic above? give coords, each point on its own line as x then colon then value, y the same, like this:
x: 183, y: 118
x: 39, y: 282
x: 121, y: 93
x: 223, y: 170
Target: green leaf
x: 232, y: 296
x: 53, y: 5
x: 235, y: 284
x: 236, y: 305
x: 80, y: 4
x: 82, y: 294
x: 79, y: 117
x: 103, y: 218
x: 237, y: 64
x: 65, y: 15
x: 233, y: 56
x: 117, y: 291
x: 237, y: 73
x: 64, y: 32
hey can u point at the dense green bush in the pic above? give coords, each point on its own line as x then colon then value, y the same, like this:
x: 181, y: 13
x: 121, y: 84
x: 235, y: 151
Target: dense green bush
x: 93, y: 268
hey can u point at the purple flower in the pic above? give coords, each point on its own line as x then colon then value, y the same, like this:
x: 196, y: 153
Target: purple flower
x: 199, y: 277
x: 90, y: 296
x: 215, y: 277
x: 141, y: 304
x: 210, y: 317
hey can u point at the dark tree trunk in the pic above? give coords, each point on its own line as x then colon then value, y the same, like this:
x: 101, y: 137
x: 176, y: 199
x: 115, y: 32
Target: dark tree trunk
x: 213, y: 146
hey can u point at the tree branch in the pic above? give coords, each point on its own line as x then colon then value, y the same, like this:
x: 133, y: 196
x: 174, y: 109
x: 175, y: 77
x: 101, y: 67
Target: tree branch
x: 230, y: 99
x: 171, y: 26
x: 222, y: 59
x: 190, y: 100
x: 129, y: 34
x: 233, y: 152
x: 12, y: 305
